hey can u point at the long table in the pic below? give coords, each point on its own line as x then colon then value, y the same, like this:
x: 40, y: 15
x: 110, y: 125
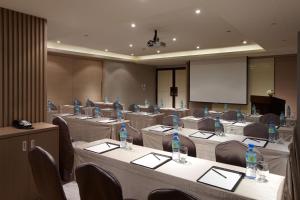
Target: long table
x: 137, y: 182
x: 275, y: 154
x: 286, y: 132
x: 140, y: 120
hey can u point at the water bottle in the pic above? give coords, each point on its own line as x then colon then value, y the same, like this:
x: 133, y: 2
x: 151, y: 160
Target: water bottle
x: 49, y: 106
x: 105, y: 99
x: 161, y: 103
x: 175, y: 146
x: 123, y: 136
x: 175, y: 121
x: 251, y: 162
x: 218, y: 127
x: 118, y: 99
x: 288, y: 111
x: 97, y: 112
x: 205, y: 111
x: 238, y: 115
x: 77, y: 109
x: 282, y: 119
x: 253, y: 109
x: 225, y: 107
x: 119, y: 115
x: 181, y: 104
x: 146, y: 102
x: 272, y: 132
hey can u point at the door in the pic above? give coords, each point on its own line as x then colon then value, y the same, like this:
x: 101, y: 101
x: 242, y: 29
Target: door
x: 14, y: 168
x: 171, y: 87
x: 48, y: 140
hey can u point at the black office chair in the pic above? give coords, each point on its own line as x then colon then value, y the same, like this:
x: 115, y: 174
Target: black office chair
x: 169, y: 194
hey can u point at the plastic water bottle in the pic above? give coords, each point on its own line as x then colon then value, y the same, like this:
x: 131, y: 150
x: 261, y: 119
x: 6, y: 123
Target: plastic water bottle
x: 175, y: 121
x: 225, y: 107
x: 251, y: 162
x: 77, y: 110
x: 146, y: 102
x: 123, y: 135
x: 118, y: 99
x: 238, y: 115
x: 205, y: 111
x: 119, y: 115
x: 105, y: 99
x: 272, y: 132
x: 181, y: 104
x: 288, y: 111
x: 97, y: 112
x: 253, y: 109
x: 282, y: 119
x: 49, y: 106
x: 161, y: 103
x: 218, y: 127
x: 176, y: 146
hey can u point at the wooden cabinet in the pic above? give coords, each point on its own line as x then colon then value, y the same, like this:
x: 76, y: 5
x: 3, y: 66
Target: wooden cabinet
x: 16, y: 181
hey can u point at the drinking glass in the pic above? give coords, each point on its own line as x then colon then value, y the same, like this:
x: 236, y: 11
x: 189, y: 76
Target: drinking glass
x: 262, y: 171
x: 129, y: 143
x: 183, y: 154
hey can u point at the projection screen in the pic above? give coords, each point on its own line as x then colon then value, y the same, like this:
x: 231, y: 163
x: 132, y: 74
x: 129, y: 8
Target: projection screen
x: 219, y: 81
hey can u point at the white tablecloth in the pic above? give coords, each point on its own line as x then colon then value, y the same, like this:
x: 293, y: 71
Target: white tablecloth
x: 275, y: 154
x: 140, y: 120
x: 285, y: 133
x: 137, y: 182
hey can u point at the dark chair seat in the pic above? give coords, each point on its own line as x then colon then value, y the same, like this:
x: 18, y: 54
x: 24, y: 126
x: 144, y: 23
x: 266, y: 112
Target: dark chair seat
x: 270, y: 118
x: 169, y: 194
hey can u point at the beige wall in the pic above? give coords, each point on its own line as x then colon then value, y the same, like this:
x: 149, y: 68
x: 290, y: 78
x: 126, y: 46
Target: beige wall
x: 125, y: 80
x: 70, y: 77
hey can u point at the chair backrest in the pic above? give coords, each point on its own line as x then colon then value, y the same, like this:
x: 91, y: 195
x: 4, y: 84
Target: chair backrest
x: 77, y: 102
x: 230, y: 115
x: 66, y: 151
x: 136, y: 135
x: 165, y: 194
x: 45, y: 175
x: 207, y: 124
x: 257, y: 130
x: 234, y: 153
x: 51, y: 105
x: 151, y: 108
x: 270, y: 117
x: 198, y: 113
x: 96, y: 183
x: 89, y: 103
x: 134, y: 108
x: 167, y: 144
x: 117, y: 106
x: 168, y: 121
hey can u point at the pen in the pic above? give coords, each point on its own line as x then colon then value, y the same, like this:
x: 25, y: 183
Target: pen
x: 107, y: 144
x: 156, y: 156
x: 219, y: 173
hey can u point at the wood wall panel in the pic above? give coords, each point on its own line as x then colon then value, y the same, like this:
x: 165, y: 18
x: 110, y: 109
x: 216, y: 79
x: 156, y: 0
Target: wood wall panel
x: 22, y: 67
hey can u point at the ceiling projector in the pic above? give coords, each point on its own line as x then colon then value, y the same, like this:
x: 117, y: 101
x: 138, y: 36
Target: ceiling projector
x: 155, y: 42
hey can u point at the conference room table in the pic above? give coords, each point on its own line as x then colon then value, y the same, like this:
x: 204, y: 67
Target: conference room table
x: 255, y: 118
x: 138, y: 181
x: 180, y: 112
x: 276, y: 155
x: 140, y: 120
x: 84, y: 128
x: 285, y: 132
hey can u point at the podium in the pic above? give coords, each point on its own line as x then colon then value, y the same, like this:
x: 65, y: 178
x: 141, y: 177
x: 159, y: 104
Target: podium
x: 265, y: 104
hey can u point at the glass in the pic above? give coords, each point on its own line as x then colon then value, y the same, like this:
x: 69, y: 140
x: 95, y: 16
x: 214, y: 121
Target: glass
x: 129, y: 143
x: 262, y: 171
x: 183, y: 154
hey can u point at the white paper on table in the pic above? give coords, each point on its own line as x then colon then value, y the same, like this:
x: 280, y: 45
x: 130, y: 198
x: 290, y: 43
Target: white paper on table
x: 152, y: 160
x: 66, y: 114
x: 161, y: 128
x: 225, y: 121
x: 202, y: 134
x: 256, y: 142
x: 84, y: 117
x: 107, y: 120
x: 241, y: 124
x: 101, y: 148
x: 214, y: 179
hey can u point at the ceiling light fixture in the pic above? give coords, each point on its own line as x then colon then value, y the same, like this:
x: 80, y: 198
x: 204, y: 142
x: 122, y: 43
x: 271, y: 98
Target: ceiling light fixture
x: 245, y: 42
x: 133, y: 25
x: 58, y: 41
x: 198, y: 11
x: 158, y: 51
x: 106, y: 50
x: 174, y: 39
x: 130, y: 45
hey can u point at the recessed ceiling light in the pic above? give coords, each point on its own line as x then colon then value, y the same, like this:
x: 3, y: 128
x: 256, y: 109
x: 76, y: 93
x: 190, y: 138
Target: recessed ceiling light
x: 198, y: 47
x: 133, y: 25
x: 106, y: 50
x: 158, y: 51
x: 58, y: 41
x: 130, y: 45
x: 174, y: 39
x: 245, y: 42
x: 198, y: 11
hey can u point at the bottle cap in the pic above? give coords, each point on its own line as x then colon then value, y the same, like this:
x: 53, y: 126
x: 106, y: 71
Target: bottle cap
x: 123, y: 125
x: 251, y: 146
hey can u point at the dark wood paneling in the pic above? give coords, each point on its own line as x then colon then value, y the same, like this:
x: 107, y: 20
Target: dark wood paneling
x: 22, y: 67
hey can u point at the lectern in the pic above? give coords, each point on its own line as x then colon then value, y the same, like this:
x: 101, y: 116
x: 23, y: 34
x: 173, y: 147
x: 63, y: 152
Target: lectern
x: 265, y: 104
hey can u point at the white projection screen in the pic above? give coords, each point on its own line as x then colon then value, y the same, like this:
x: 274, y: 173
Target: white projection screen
x: 219, y: 81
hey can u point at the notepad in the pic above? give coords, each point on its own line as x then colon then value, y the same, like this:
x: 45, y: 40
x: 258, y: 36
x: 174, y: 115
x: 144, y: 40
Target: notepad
x: 107, y: 120
x: 102, y: 148
x: 161, y: 128
x: 152, y: 160
x: 222, y: 178
x: 84, y: 117
x: 256, y: 142
x: 202, y: 134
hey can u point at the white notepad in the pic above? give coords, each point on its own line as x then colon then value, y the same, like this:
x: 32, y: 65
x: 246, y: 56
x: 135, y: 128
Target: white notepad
x: 161, y: 128
x: 202, y: 134
x: 152, y: 160
x: 84, y: 117
x: 221, y: 178
x: 241, y: 124
x: 107, y: 120
x: 256, y: 142
x: 102, y: 148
